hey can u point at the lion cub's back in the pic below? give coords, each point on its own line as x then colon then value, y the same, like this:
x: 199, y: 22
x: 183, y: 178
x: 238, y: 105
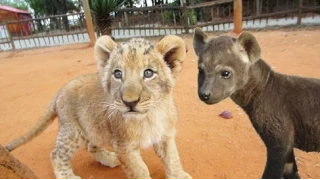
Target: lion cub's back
x: 80, y: 97
x: 85, y: 87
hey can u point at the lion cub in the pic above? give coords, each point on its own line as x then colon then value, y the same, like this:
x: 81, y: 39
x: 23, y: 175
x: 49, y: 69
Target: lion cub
x: 284, y: 110
x: 127, y: 104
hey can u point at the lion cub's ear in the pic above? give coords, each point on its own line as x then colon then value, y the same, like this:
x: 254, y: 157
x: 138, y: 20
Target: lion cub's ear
x: 173, y: 50
x: 102, y: 51
x: 199, y: 40
x: 251, y: 46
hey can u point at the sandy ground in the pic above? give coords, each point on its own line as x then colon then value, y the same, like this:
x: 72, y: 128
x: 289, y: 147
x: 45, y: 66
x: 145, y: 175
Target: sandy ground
x: 209, y: 146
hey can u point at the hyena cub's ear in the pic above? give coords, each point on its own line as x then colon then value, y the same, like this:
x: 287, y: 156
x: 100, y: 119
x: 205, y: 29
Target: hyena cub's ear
x: 102, y: 51
x: 173, y: 50
x: 251, y: 46
x: 199, y: 40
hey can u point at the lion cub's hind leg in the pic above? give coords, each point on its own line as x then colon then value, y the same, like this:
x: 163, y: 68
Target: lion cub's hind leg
x: 67, y: 143
x: 106, y: 158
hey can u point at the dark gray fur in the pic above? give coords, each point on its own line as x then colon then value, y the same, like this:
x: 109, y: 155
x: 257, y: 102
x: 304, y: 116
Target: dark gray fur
x: 283, y: 109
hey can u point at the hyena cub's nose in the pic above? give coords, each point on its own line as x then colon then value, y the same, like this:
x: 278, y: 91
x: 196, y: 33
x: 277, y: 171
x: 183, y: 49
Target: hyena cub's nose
x: 131, y: 104
x: 205, y: 96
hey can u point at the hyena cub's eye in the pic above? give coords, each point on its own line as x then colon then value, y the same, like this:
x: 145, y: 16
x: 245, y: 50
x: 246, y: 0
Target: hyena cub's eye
x: 200, y: 70
x: 148, y: 73
x: 225, y: 74
x: 117, y: 74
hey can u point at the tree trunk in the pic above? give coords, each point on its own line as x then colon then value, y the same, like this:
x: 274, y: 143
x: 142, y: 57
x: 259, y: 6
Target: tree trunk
x: 66, y: 23
x: 65, y: 18
x: 39, y: 26
x: 12, y: 168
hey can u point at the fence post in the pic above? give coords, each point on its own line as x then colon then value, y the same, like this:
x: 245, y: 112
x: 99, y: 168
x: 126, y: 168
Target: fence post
x: 185, y: 18
x: 257, y: 7
x: 300, y: 12
x: 237, y: 16
x: 174, y: 18
x: 211, y: 9
x: 10, y: 36
x: 126, y: 18
x: 89, y: 23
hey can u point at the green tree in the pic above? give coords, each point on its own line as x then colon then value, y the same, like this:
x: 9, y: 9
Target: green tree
x: 53, y: 7
x: 102, y: 13
x: 19, y: 4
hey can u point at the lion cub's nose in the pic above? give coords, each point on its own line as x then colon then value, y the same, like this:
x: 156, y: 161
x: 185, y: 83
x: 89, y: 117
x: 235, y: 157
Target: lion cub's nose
x: 131, y: 104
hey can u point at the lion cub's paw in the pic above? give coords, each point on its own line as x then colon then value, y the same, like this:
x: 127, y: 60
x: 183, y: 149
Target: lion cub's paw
x: 107, y: 158
x: 64, y: 172
x: 67, y: 175
x: 182, y: 175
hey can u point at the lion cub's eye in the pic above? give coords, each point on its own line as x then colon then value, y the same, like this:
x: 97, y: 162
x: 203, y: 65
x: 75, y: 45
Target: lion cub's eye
x: 225, y: 74
x: 148, y: 73
x: 117, y: 74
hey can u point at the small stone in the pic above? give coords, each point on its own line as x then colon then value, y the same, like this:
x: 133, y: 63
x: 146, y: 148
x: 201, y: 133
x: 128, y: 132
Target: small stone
x: 226, y: 115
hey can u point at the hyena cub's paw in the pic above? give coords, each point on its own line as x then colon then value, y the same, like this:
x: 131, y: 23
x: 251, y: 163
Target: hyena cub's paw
x: 107, y: 158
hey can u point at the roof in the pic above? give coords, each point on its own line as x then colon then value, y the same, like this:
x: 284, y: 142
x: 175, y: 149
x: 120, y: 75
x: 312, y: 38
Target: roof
x: 12, y: 9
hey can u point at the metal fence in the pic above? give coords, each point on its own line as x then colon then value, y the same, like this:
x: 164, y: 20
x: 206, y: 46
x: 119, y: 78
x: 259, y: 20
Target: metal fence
x: 42, y: 32
x: 159, y: 21
x: 257, y: 14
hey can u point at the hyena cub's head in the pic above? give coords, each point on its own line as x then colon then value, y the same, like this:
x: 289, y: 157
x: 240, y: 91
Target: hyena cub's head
x: 223, y: 64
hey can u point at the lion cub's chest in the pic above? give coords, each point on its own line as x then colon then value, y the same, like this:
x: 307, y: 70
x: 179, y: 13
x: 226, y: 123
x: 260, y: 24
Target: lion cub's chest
x: 152, y: 131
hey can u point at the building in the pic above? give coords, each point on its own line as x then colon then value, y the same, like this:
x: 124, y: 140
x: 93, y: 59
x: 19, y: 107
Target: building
x: 8, y: 13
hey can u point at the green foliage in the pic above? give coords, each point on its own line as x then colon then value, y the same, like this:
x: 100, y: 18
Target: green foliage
x: 19, y: 4
x: 52, y: 7
x: 101, y: 10
x: 131, y: 3
x: 103, y: 7
x: 37, y: 6
x: 168, y: 15
x: 192, y: 17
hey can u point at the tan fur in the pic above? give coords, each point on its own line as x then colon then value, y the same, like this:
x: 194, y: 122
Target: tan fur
x: 91, y: 109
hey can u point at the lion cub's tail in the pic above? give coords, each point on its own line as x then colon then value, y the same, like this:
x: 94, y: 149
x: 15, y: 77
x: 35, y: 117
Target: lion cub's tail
x: 45, y: 120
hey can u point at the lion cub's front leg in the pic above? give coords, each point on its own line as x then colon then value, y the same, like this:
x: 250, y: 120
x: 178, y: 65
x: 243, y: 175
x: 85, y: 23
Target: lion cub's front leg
x: 106, y: 158
x: 168, y: 153
x: 132, y: 162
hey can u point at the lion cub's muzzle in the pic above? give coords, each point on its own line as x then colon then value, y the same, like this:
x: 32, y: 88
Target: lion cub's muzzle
x: 131, y: 104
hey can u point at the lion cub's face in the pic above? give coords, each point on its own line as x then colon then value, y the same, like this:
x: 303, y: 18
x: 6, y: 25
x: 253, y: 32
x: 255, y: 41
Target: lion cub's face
x: 137, y: 75
x: 223, y: 64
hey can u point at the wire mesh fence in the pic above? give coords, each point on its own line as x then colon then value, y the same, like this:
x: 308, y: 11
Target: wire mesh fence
x: 42, y: 32
x: 158, y: 21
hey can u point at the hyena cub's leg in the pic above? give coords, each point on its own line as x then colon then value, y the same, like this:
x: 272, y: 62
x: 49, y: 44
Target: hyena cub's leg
x: 67, y: 143
x: 103, y: 156
x: 290, y: 168
x: 276, y: 160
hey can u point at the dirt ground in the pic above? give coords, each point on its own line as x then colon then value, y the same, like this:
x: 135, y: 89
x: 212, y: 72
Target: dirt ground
x: 209, y: 146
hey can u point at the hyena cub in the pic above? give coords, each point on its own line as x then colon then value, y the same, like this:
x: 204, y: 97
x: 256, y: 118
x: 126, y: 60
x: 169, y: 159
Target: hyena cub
x: 284, y: 110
